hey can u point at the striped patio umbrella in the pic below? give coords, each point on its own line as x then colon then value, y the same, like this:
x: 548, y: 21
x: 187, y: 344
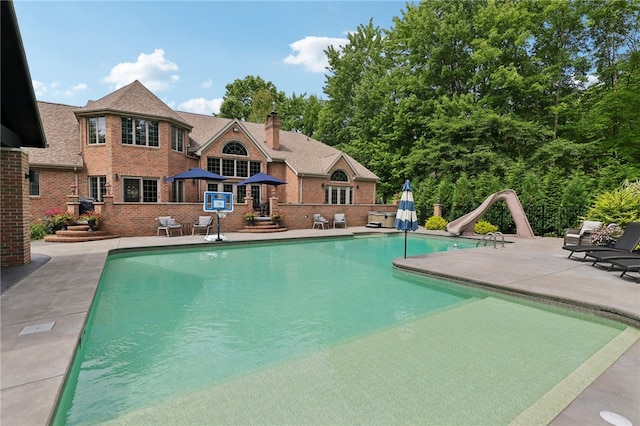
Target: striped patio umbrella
x: 406, y: 218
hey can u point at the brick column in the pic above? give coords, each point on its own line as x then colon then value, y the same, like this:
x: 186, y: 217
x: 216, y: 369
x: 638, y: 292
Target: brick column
x: 273, y: 202
x: 15, y: 210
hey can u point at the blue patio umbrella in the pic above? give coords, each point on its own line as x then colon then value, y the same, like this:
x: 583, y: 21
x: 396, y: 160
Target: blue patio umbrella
x: 406, y: 218
x: 262, y: 178
x: 196, y: 173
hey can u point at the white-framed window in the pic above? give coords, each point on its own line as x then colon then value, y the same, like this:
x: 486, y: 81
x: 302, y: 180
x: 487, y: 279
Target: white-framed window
x: 235, y: 148
x: 96, y: 130
x: 139, y: 131
x: 177, y: 139
x: 338, y: 195
x: 232, y: 167
x: 140, y: 190
x: 34, y: 183
x: 339, y: 176
x: 97, y: 188
x: 177, y: 187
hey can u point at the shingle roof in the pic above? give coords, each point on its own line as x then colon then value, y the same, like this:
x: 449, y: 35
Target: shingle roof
x: 305, y: 155
x: 133, y: 98
x: 63, y: 137
x: 204, y: 127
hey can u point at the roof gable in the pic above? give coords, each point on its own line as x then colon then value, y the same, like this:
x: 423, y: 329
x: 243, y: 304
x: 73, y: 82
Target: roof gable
x: 241, y: 126
x: 136, y: 99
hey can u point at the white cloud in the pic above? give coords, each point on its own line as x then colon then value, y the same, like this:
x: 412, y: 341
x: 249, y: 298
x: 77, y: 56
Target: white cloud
x: 310, y: 52
x: 69, y: 93
x: 42, y: 89
x: 207, y: 84
x: 591, y: 80
x: 153, y: 70
x: 39, y: 88
x: 201, y: 106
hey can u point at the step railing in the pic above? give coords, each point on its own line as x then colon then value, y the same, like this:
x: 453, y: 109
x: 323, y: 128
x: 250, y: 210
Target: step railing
x: 491, y: 236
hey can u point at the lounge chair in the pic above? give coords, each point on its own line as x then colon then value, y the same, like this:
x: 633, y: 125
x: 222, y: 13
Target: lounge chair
x: 167, y: 224
x: 320, y: 221
x: 339, y: 219
x: 600, y: 257
x: 203, y: 223
x: 582, y: 235
x: 627, y: 242
x: 627, y: 265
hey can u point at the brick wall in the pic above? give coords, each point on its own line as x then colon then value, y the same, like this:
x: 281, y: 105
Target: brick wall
x: 138, y: 219
x: 15, y: 243
x: 55, y: 185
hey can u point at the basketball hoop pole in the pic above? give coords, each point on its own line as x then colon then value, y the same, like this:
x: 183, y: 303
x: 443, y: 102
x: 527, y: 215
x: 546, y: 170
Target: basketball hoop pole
x: 218, y: 214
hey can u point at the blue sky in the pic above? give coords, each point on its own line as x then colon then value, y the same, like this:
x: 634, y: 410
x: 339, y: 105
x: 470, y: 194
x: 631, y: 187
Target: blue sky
x: 186, y: 52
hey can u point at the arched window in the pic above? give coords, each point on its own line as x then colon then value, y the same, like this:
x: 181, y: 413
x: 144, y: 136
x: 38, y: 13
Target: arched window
x: 235, y: 148
x: 339, y: 176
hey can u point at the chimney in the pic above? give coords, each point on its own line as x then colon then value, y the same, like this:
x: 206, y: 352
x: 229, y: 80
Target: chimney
x: 272, y: 130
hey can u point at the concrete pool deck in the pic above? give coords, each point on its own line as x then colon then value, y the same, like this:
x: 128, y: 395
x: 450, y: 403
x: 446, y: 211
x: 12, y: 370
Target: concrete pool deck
x: 60, y: 286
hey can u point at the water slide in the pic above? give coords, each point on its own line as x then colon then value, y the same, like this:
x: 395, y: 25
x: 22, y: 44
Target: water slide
x: 464, y: 224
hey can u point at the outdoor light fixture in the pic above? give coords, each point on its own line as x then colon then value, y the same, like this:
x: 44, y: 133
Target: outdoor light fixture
x: 236, y: 130
x: 27, y: 176
x: 116, y: 177
x: 323, y: 184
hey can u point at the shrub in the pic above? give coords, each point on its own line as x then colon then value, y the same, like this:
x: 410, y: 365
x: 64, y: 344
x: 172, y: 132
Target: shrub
x: 484, y: 227
x: 621, y: 206
x: 436, y: 223
x: 38, y: 231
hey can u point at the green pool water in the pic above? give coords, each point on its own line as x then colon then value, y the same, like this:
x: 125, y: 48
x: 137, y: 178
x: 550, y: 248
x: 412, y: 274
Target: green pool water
x: 314, y: 332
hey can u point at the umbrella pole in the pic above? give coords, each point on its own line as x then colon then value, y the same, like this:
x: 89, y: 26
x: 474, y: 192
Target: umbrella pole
x: 405, y: 244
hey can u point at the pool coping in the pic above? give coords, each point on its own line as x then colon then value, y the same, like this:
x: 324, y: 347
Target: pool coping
x: 61, y: 290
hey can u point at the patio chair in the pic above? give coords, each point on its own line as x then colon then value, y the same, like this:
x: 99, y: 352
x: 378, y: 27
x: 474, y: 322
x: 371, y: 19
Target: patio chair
x: 627, y: 242
x: 167, y: 224
x: 320, y: 221
x: 203, y: 223
x: 339, y: 219
x: 582, y: 235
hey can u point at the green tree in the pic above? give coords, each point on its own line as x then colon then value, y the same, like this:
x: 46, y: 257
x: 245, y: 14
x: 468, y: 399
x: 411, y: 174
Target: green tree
x: 239, y: 99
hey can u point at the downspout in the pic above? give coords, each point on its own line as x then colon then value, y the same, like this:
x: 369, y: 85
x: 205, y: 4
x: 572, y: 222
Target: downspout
x: 300, y: 191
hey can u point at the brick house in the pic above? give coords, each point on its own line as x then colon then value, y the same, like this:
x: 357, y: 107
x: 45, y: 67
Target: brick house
x: 120, y: 149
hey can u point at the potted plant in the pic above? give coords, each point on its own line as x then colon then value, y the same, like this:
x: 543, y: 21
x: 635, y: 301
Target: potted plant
x: 277, y: 217
x: 66, y: 219
x: 92, y: 218
x: 250, y: 218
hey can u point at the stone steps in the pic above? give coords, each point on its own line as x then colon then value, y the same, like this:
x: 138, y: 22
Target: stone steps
x: 78, y: 234
x: 263, y: 228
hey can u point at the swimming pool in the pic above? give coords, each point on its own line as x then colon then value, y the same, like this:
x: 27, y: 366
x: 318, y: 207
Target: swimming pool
x: 342, y: 338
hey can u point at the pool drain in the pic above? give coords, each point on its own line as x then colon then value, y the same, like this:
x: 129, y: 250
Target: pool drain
x: 615, y: 419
